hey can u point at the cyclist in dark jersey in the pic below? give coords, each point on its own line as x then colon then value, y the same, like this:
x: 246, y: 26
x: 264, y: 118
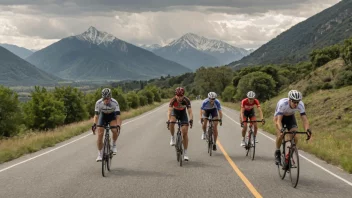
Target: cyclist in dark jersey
x: 177, y: 110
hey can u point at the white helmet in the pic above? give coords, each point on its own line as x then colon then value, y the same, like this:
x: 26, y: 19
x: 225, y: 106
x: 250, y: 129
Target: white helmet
x: 251, y: 94
x: 106, y: 93
x: 212, y: 95
x: 294, y: 95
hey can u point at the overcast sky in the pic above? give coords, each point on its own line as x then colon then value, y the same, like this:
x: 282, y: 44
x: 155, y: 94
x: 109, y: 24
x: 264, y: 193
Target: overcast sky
x: 35, y: 24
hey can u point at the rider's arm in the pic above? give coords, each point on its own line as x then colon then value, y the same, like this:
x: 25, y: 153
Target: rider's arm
x: 190, y: 113
x: 118, y: 118
x: 95, y: 119
x: 96, y: 113
x: 218, y: 105
x: 169, y: 113
x: 278, y: 122
x: 220, y: 114
x: 242, y: 112
x: 305, y: 122
x: 261, y: 113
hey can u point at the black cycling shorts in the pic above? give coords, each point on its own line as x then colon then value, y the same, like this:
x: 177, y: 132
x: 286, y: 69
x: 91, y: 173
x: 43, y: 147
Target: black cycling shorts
x: 212, y: 112
x: 248, y: 114
x: 289, y: 122
x: 106, y: 118
x: 180, y: 115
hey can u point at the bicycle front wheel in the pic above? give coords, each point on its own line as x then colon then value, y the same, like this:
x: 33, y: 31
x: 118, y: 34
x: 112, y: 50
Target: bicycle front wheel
x: 252, y: 146
x: 281, y: 166
x: 294, y: 166
x: 106, y: 158
x: 210, y: 143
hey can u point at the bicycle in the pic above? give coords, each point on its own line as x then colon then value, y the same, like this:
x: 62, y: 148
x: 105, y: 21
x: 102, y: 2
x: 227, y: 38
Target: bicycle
x: 250, y: 140
x: 179, y: 142
x: 290, y: 162
x: 107, y: 152
x: 209, y: 134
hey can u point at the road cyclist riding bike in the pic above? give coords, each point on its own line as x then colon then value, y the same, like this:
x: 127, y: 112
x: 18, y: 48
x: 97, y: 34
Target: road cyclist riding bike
x: 247, y: 112
x: 285, y: 116
x: 107, y: 110
x: 177, y: 111
x: 211, y: 106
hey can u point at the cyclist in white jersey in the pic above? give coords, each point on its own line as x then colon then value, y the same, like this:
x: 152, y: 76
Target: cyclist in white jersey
x: 211, y: 106
x: 285, y: 116
x: 107, y: 109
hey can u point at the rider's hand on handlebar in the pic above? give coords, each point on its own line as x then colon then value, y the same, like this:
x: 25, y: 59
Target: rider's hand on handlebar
x: 282, y: 130
x: 263, y: 121
x: 220, y: 122
x: 168, y: 124
x: 94, y: 127
x: 191, y: 123
x: 242, y: 124
x: 309, y: 134
x: 201, y: 120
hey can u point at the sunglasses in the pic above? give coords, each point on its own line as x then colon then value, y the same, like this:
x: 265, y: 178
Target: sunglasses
x: 294, y: 101
x: 212, y: 99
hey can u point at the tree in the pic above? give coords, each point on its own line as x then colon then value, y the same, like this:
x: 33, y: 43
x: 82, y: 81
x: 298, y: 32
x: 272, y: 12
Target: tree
x: 228, y: 93
x: 212, y: 79
x: 10, y: 112
x: 73, y: 100
x: 261, y: 83
x: 346, y: 51
x: 133, y: 99
x: 43, y: 111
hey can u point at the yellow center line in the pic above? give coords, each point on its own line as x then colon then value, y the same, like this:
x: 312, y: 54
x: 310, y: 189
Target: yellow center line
x: 239, y: 173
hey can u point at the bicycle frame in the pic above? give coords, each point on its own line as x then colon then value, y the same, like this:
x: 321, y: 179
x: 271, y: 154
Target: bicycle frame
x: 179, y: 142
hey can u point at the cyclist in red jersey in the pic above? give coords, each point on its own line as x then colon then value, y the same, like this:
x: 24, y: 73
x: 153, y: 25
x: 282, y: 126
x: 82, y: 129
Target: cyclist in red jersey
x: 247, y: 112
x: 177, y: 110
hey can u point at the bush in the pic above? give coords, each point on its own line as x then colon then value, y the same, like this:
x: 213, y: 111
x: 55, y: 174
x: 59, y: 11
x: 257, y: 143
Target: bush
x: 344, y: 78
x: 156, y: 92
x: 320, y: 57
x: 327, y: 86
x: 261, y: 83
x: 10, y: 112
x: 43, y: 111
x: 133, y: 99
x: 149, y: 94
x: 119, y: 96
x: 72, y: 98
x: 143, y: 100
x: 346, y: 51
x: 228, y: 93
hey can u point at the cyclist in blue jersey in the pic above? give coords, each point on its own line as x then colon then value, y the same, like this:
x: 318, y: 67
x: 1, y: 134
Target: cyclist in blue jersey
x: 211, y: 106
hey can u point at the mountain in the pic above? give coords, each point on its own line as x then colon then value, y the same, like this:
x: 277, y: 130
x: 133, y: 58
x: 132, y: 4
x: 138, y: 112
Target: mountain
x: 19, y: 51
x: 16, y: 71
x: 151, y: 47
x: 96, y: 55
x: 195, y: 51
x: 329, y: 27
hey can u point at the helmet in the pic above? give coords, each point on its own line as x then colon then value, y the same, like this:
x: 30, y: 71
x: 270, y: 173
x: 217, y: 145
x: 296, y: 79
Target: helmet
x: 251, y: 94
x: 179, y: 91
x: 294, y: 95
x: 106, y: 93
x: 212, y: 95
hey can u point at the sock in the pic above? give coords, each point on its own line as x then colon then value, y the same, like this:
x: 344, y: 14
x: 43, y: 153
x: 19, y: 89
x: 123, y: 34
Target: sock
x: 114, y: 144
x: 185, y: 151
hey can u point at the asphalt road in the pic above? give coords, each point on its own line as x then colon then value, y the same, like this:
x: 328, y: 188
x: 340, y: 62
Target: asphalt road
x: 146, y: 166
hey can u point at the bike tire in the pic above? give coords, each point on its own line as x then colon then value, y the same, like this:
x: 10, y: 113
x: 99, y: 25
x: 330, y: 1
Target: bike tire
x: 253, y: 146
x: 104, y: 161
x: 210, y: 147
x: 281, y: 169
x: 248, y: 146
x: 181, y: 151
x: 294, y: 166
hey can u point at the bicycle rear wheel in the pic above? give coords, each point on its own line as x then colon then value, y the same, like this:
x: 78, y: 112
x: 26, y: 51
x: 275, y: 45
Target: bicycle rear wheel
x: 294, y: 166
x: 180, y: 146
x: 177, y: 148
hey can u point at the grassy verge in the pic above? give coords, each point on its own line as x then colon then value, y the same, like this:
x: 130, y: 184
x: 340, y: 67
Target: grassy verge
x: 330, y: 116
x: 30, y: 142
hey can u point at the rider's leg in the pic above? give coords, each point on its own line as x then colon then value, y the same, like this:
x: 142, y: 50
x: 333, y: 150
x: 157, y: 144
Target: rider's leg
x: 114, y: 131
x: 172, y: 130
x: 184, y: 130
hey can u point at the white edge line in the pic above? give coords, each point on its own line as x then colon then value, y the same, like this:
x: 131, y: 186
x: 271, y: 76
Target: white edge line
x: 54, y: 149
x: 331, y: 173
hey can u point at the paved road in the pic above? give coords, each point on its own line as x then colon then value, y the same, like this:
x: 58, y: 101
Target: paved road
x: 146, y: 166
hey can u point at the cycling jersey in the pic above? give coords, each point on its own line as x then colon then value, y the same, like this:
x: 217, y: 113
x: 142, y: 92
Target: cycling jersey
x: 283, y: 108
x: 185, y: 103
x: 207, y: 105
x: 247, y: 106
x: 112, y: 106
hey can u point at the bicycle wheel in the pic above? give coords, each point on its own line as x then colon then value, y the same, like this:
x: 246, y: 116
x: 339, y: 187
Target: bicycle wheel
x: 252, y: 145
x: 105, y: 160
x: 109, y: 154
x: 181, y: 153
x: 248, y: 145
x: 281, y: 166
x: 177, y: 148
x: 210, y: 144
x: 294, y: 166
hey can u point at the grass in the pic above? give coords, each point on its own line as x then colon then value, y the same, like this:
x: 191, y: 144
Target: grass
x: 33, y: 141
x: 330, y: 115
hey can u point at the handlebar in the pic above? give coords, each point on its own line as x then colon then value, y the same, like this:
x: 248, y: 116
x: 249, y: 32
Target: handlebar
x: 309, y: 134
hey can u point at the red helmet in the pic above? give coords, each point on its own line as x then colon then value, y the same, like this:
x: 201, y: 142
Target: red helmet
x: 179, y: 91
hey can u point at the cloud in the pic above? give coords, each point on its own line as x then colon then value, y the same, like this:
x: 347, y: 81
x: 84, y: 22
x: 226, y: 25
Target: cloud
x: 243, y: 23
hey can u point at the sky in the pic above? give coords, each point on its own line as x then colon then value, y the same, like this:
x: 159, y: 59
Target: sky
x: 35, y: 24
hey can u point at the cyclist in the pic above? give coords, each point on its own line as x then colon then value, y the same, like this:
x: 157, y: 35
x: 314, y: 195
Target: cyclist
x: 211, y: 106
x: 247, y: 112
x: 177, y: 110
x: 285, y: 115
x: 107, y: 109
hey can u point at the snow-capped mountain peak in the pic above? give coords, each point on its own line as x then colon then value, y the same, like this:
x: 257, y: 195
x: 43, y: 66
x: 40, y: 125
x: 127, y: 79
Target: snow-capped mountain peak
x: 96, y: 37
x: 191, y: 40
x: 150, y: 47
